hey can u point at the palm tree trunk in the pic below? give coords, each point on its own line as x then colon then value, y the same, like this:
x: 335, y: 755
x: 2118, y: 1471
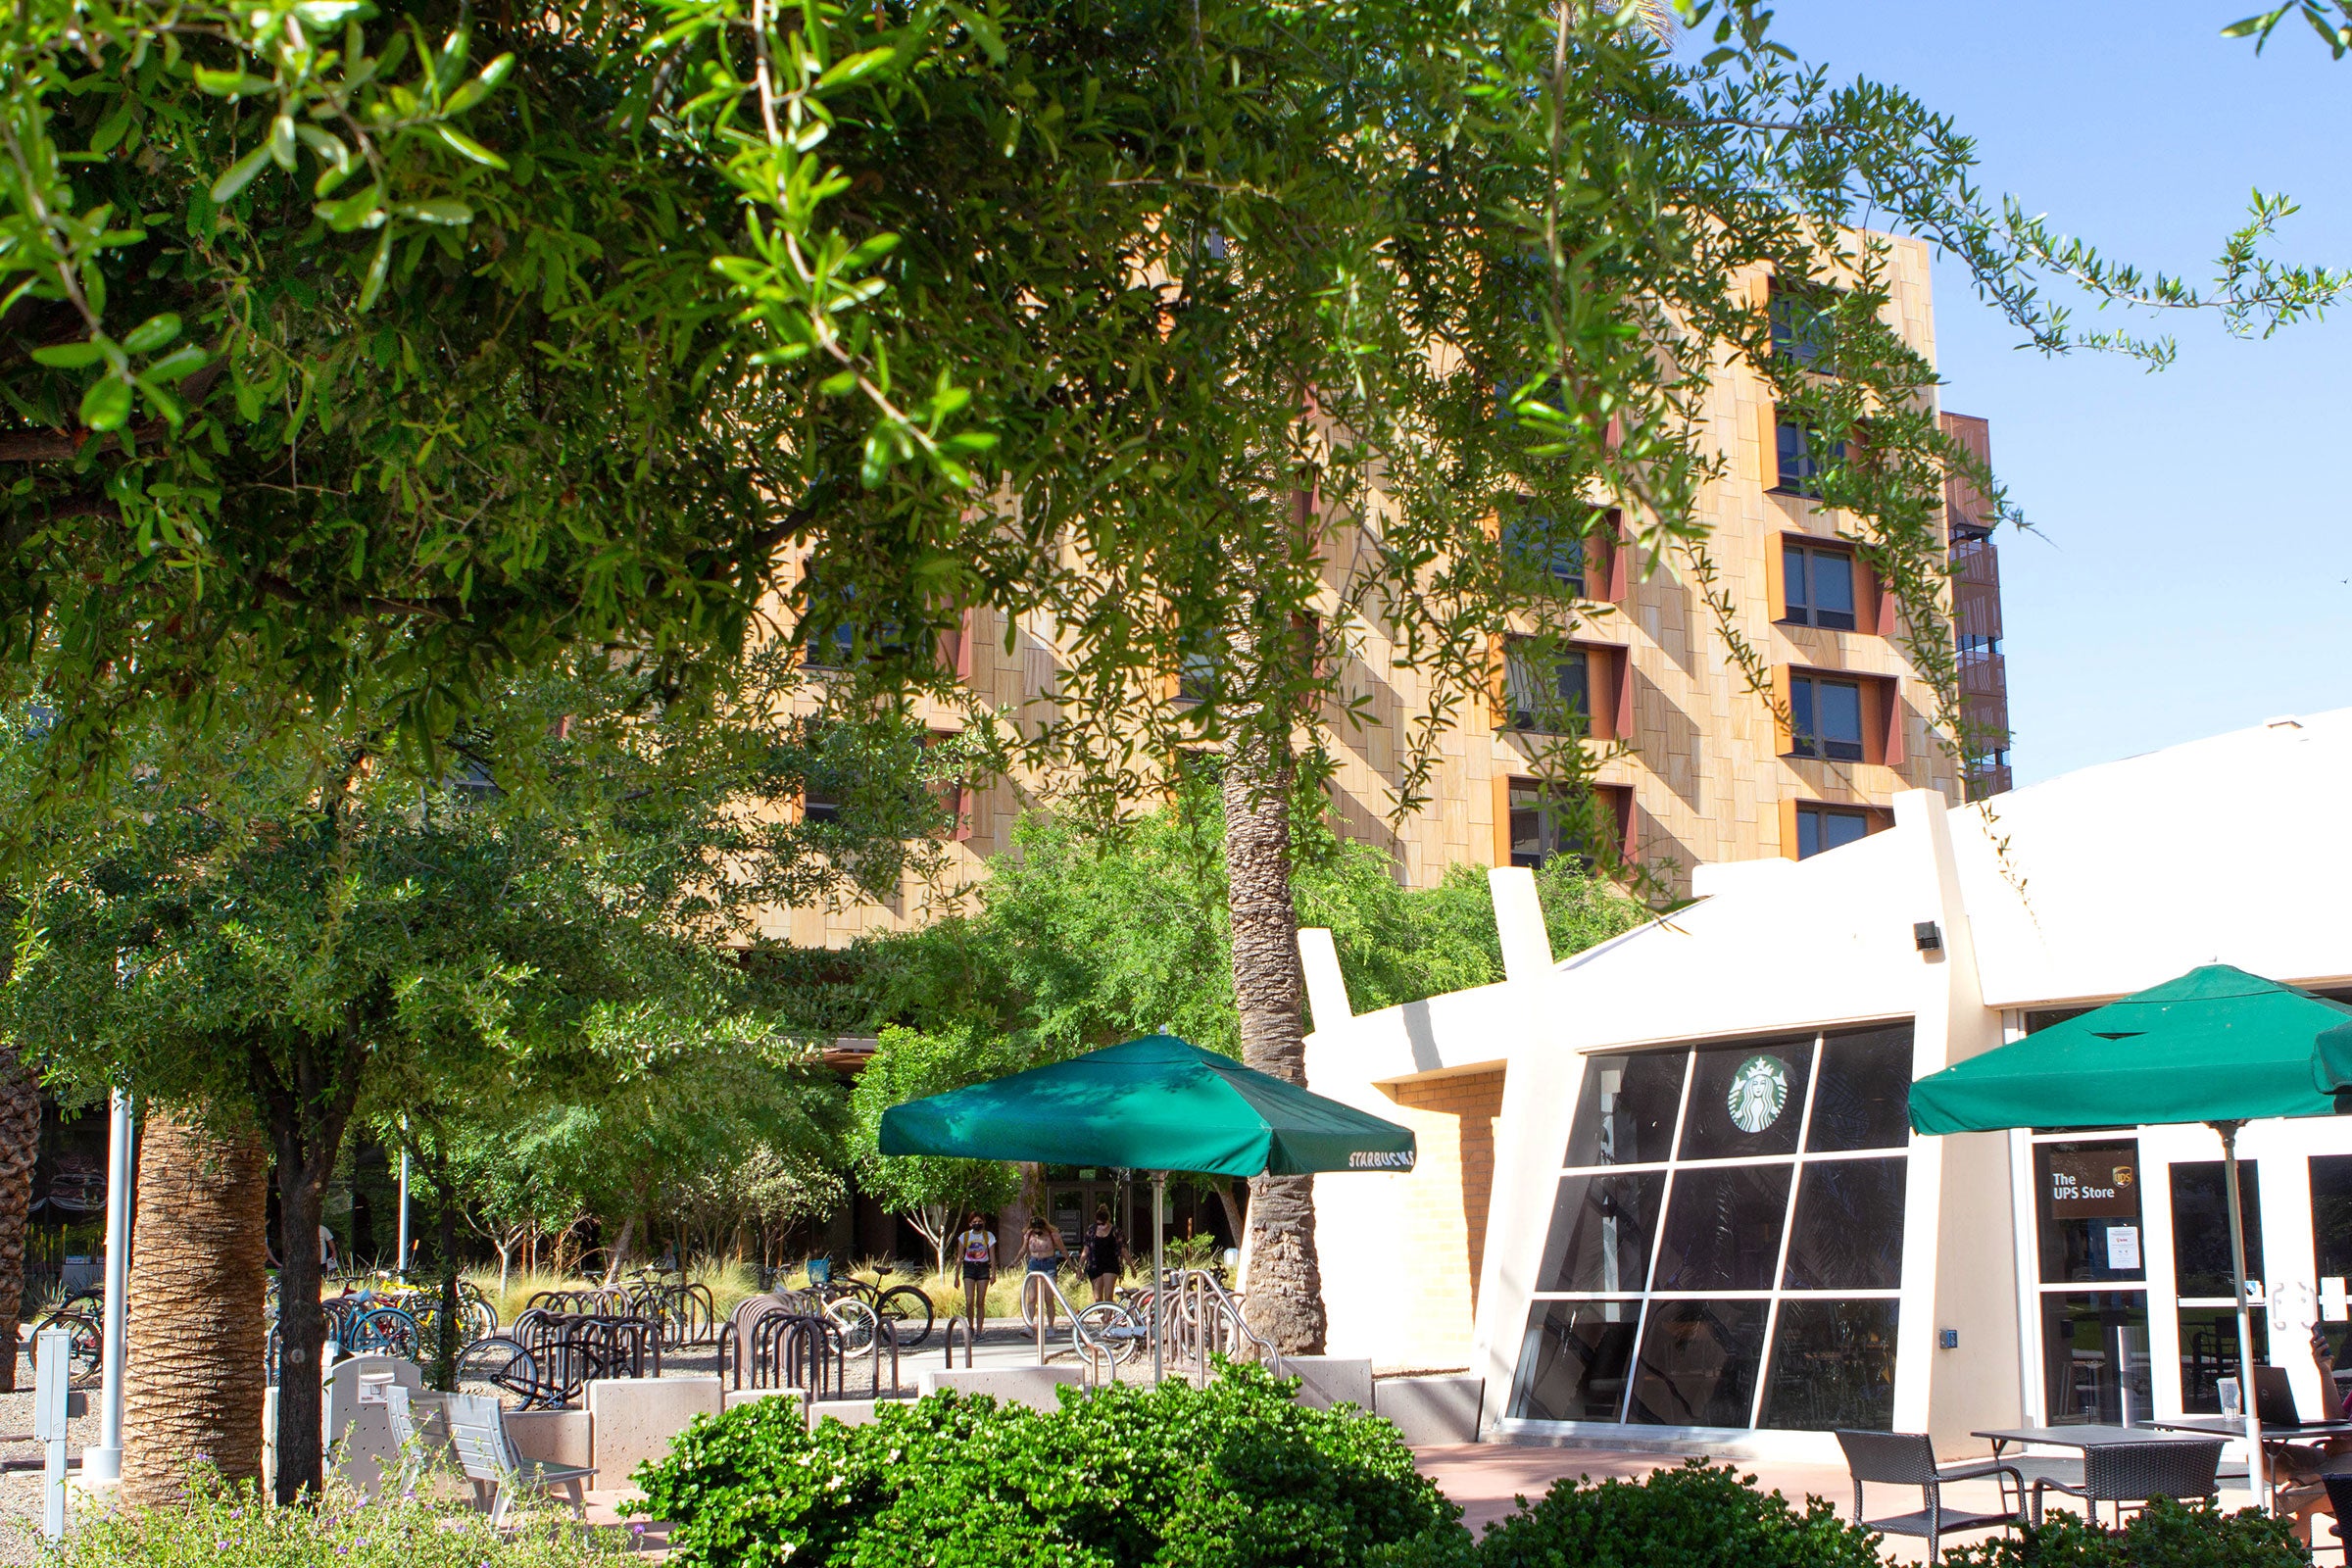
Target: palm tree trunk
x: 20, y: 1147
x: 1284, y: 1300
x: 197, y: 1332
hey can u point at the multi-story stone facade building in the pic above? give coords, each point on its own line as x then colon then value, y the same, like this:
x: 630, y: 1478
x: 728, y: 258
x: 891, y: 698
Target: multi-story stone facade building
x: 1709, y: 772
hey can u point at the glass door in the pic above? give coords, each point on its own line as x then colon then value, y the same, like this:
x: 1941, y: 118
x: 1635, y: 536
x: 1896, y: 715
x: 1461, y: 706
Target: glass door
x: 2092, y: 1286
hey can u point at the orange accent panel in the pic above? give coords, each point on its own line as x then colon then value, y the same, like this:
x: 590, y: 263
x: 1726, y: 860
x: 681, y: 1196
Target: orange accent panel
x: 1628, y: 721
x: 1768, y: 444
x: 1789, y: 827
x: 1781, y: 738
x: 1502, y: 819
x: 1621, y: 557
x: 1499, y: 695
x: 1775, y: 575
x: 1890, y: 700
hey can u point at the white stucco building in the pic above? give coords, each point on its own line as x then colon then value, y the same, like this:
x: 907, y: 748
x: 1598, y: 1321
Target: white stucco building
x: 1668, y: 1191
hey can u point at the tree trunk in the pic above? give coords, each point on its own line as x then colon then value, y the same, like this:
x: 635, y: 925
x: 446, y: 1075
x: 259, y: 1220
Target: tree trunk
x: 197, y: 1329
x: 307, y: 1118
x: 621, y: 1251
x: 445, y: 1356
x: 1284, y: 1300
x: 20, y: 1147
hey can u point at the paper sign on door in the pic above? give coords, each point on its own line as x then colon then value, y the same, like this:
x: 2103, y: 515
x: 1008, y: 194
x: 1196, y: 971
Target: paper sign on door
x: 2122, y: 1246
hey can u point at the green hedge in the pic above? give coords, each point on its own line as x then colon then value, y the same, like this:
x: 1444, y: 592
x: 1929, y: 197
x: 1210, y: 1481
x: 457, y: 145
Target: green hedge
x: 1231, y: 1476
x: 2164, y: 1534
x: 1236, y: 1476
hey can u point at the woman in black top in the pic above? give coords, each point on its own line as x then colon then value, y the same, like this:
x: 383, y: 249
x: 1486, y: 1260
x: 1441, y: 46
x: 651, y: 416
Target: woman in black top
x: 1105, y: 1254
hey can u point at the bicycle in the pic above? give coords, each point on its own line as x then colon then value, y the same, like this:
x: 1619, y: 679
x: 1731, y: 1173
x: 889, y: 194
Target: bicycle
x: 80, y: 1315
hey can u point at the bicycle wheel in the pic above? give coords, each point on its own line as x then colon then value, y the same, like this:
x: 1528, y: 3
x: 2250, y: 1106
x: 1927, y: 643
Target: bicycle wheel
x: 1118, y: 1331
x: 501, y: 1369
x: 474, y: 1309
x: 86, y: 1344
x: 909, y: 1314
x: 384, y: 1331
x: 856, y: 1322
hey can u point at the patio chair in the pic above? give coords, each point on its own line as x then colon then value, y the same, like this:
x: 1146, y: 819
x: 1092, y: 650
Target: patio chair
x: 1908, y: 1459
x: 485, y: 1457
x: 2131, y: 1473
x: 2339, y: 1503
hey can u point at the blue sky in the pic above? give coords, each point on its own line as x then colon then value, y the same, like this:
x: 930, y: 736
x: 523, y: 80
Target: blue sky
x: 2191, y: 576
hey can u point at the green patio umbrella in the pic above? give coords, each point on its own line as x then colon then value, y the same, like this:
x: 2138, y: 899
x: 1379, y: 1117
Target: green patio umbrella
x: 1158, y: 1103
x: 2217, y: 1045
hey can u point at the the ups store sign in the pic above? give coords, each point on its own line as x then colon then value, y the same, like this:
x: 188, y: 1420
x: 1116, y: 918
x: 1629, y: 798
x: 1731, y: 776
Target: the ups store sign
x: 2094, y: 1184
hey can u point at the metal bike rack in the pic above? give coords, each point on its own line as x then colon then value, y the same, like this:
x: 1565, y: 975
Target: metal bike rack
x: 1090, y: 1349
x: 957, y: 1325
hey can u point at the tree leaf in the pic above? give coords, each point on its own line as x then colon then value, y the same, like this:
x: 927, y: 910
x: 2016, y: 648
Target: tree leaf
x: 151, y: 334
x: 107, y: 403
x: 448, y: 213
x: 69, y: 355
x: 377, y: 266
x: 240, y: 174
x: 468, y: 147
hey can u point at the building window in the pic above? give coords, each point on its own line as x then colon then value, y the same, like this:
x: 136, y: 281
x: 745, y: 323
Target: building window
x: 1828, y: 827
x: 1727, y: 1244
x: 819, y: 804
x: 2092, y: 1290
x: 1549, y: 695
x: 1197, y: 678
x: 1818, y: 586
x: 1802, y: 455
x: 1545, y: 545
x: 1825, y: 718
x: 1801, y: 327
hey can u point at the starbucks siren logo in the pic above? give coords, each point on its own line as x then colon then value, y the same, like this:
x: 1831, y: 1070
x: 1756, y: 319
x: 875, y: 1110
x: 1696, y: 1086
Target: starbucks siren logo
x: 1759, y: 1090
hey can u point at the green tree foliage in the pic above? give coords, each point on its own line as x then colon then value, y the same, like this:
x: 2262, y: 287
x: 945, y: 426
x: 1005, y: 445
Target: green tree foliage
x: 932, y: 1195
x: 295, y: 927
x: 353, y: 331
x: 1085, y: 938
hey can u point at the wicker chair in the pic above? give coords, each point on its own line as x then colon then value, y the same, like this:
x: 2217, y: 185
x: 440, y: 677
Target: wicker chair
x: 2126, y: 1473
x: 1908, y: 1459
x: 2339, y: 1503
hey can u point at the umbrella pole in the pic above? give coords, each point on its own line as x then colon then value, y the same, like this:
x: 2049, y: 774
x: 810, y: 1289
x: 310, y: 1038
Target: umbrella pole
x: 1159, y: 1308
x: 2257, y: 1471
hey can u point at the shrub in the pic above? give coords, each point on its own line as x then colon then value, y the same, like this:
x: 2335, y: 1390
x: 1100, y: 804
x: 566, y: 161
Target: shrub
x: 2164, y: 1534
x: 1231, y: 1476
x: 236, y: 1527
x: 1698, y: 1513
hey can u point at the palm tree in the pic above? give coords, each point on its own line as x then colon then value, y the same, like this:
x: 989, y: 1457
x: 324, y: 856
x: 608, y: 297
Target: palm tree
x: 1284, y: 1298
x: 196, y: 1314
x: 20, y: 1145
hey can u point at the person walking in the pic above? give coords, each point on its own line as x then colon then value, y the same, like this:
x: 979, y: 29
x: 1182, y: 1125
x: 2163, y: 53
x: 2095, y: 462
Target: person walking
x: 1043, y: 1245
x: 977, y: 1247
x: 1105, y: 1252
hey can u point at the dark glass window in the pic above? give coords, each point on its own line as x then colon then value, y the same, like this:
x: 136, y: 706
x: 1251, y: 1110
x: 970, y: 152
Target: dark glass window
x: 2332, y: 1214
x: 1828, y: 827
x: 1197, y: 678
x: 1544, y: 825
x: 1698, y: 1363
x: 1825, y: 718
x: 1625, y: 1115
x: 819, y: 805
x: 2088, y: 1203
x: 1802, y: 454
x: 1573, y: 1362
x: 1546, y: 545
x: 2209, y: 1354
x: 1819, y: 585
x: 1864, y: 1098
x: 1551, y: 697
x: 1848, y: 1232
x: 2201, y: 1225
x: 2092, y: 1344
x: 1833, y: 1366
x: 1601, y: 1229
x: 1801, y: 329
x: 1723, y: 1228
x: 1746, y: 1100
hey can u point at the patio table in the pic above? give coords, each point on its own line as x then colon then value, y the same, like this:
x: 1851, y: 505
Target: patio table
x: 2079, y: 1435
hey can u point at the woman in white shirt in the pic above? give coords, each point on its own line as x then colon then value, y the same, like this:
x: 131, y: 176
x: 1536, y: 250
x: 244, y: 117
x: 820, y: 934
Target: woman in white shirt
x: 977, y: 1247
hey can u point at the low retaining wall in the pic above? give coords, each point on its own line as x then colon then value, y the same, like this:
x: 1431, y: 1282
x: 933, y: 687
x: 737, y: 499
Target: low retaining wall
x: 1432, y: 1409
x: 633, y: 1419
x: 1032, y: 1385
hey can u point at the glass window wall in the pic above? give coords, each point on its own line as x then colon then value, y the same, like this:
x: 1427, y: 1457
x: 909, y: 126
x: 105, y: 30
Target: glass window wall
x: 1726, y: 1246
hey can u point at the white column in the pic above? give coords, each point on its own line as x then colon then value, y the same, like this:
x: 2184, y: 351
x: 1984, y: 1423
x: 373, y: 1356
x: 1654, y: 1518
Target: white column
x: 103, y: 1460
x: 400, y: 1268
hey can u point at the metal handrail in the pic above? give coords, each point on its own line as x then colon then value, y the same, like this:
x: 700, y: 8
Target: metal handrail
x: 1083, y: 1343
x: 1207, y: 1290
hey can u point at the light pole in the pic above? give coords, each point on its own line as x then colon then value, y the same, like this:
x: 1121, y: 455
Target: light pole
x: 399, y: 1270
x: 103, y: 1460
